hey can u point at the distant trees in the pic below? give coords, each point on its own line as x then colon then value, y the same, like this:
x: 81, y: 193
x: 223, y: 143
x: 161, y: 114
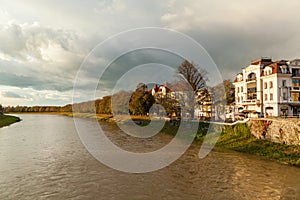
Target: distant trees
x: 1, y: 111
x: 140, y: 102
x: 120, y: 102
x: 104, y: 106
x: 32, y: 109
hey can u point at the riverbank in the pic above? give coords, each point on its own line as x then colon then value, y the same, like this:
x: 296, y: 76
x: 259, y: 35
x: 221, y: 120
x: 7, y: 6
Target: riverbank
x: 7, y: 120
x: 239, y: 138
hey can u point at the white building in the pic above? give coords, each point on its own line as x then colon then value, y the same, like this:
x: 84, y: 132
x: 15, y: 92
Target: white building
x: 268, y: 88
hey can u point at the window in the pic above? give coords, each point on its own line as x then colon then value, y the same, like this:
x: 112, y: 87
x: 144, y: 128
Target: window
x: 268, y: 72
x: 242, y: 89
x: 266, y: 97
x: 252, y: 77
x: 295, y: 72
x: 241, y: 99
x: 271, y: 84
x: 283, y: 83
x: 283, y: 70
x: 238, y: 99
x: 284, y: 96
x: 271, y: 97
x: 265, y: 85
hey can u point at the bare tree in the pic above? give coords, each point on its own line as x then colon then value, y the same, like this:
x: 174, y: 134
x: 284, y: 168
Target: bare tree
x: 141, y: 87
x: 196, y: 78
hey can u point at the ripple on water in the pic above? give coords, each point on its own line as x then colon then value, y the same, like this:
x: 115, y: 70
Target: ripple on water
x: 41, y: 163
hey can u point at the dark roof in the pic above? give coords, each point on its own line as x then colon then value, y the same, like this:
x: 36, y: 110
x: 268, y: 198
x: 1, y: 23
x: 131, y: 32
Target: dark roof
x: 262, y: 61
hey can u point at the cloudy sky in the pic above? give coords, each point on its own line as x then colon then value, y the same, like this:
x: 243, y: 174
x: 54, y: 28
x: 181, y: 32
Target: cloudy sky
x: 43, y: 43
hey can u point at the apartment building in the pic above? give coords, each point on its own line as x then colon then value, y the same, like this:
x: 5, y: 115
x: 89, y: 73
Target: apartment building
x: 269, y: 88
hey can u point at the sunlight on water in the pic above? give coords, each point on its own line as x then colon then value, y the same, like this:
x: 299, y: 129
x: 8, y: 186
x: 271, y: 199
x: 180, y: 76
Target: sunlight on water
x: 43, y: 158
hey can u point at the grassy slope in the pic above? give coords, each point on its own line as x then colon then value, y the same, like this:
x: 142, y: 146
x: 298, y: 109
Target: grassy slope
x: 7, y: 120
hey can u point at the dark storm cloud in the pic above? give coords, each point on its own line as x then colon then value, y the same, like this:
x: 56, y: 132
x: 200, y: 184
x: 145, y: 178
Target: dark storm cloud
x: 44, y: 43
x: 33, y: 82
x: 236, y: 32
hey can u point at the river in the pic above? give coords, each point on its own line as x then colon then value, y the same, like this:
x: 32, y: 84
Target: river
x: 41, y: 157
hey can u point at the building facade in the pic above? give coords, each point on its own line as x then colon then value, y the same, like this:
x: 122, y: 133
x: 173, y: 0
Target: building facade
x: 268, y: 88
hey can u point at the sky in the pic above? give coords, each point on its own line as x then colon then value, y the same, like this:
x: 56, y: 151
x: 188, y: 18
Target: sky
x: 44, y: 43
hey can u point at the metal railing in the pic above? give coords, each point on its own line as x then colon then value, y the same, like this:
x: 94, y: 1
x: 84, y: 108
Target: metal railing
x: 251, y: 79
x: 252, y: 101
x: 295, y: 88
x: 295, y: 74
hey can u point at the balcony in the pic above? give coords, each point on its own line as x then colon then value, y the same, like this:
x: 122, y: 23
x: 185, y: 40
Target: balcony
x: 283, y: 99
x: 251, y: 79
x: 295, y: 89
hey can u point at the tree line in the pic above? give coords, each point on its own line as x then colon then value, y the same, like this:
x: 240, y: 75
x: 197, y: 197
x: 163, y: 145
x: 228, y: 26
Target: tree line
x: 140, y: 101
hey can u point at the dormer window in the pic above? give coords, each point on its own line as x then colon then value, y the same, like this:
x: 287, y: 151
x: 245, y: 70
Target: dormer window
x: 239, y: 77
x: 268, y: 71
x: 283, y: 69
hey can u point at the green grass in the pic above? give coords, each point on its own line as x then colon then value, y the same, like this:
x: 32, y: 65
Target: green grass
x: 6, y: 120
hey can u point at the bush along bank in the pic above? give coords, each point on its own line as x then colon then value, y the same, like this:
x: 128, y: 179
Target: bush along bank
x: 6, y: 120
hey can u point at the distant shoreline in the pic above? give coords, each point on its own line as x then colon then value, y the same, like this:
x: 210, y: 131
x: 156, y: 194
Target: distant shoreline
x: 6, y: 120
